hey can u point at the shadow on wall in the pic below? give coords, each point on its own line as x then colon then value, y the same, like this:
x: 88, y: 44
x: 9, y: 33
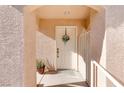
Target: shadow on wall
x: 45, y: 49
x: 113, y: 27
x: 91, y: 43
x: 115, y: 41
x: 97, y: 35
x: 83, y: 53
x: 97, y: 29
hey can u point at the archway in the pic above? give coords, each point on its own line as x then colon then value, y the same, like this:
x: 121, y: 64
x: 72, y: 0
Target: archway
x: 31, y: 26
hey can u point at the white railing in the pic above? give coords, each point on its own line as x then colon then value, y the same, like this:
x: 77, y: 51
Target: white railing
x: 94, y: 67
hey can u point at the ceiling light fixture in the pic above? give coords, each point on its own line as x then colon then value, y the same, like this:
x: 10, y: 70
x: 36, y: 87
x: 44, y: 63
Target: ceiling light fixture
x: 67, y: 12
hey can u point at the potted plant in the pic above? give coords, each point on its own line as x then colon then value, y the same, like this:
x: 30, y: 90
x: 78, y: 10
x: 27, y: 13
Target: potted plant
x: 40, y: 66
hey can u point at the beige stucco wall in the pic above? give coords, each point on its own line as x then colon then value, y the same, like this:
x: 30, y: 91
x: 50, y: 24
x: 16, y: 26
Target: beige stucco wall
x: 46, y: 50
x: 47, y: 26
x: 115, y: 41
x: 99, y: 39
x: 11, y: 47
x: 83, y: 54
x: 107, y: 43
x: 97, y: 42
x: 110, y: 56
x: 30, y: 28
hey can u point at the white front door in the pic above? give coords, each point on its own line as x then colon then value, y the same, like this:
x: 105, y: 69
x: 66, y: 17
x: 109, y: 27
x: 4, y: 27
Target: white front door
x: 66, y: 52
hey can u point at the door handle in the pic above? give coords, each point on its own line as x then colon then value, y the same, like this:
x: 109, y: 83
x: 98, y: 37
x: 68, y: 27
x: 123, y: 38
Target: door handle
x: 57, y: 52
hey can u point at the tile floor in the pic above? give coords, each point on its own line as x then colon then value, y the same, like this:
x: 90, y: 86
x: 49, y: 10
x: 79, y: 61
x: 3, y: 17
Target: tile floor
x: 62, y: 78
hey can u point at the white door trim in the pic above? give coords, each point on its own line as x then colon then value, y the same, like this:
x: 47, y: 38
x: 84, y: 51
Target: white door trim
x: 76, y: 31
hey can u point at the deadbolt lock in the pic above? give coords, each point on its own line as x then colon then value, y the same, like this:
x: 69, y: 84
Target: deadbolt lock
x: 57, y: 52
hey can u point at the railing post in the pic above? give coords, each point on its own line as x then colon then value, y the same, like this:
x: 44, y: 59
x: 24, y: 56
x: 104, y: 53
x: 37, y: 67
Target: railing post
x: 94, y: 67
x: 92, y: 83
x: 95, y: 75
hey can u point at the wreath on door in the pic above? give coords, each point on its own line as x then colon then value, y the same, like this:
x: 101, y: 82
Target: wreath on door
x: 65, y: 37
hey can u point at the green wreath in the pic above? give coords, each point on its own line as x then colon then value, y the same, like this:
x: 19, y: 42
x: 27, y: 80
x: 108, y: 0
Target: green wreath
x: 65, y: 37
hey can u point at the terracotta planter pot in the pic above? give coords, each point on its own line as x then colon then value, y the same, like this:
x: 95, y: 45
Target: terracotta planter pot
x: 41, y: 70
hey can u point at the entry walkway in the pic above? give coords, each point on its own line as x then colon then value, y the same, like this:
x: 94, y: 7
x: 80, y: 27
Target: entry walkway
x: 63, y: 78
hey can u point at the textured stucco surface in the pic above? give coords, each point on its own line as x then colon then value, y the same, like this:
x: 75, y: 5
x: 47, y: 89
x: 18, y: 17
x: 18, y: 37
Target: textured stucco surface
x: 108, y: 51
x: 97, y: 44
x: 11, y: 47
x: 45, y: 49
x: 115, y: 41
x: 107, y: 43
x: 83, y: 55
x: 30, y: 28
x: 47, y: 26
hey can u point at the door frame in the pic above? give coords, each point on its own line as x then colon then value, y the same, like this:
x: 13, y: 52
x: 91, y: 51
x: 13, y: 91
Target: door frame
x: 76, y: 42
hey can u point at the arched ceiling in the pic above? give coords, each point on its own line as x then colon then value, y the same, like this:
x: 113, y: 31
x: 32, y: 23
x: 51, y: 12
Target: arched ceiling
x: 32, y: 8
x: 60, y: 11
x: 63, y: 12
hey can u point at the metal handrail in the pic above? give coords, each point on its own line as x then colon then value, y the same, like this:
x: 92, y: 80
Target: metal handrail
x: 106, y: 73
